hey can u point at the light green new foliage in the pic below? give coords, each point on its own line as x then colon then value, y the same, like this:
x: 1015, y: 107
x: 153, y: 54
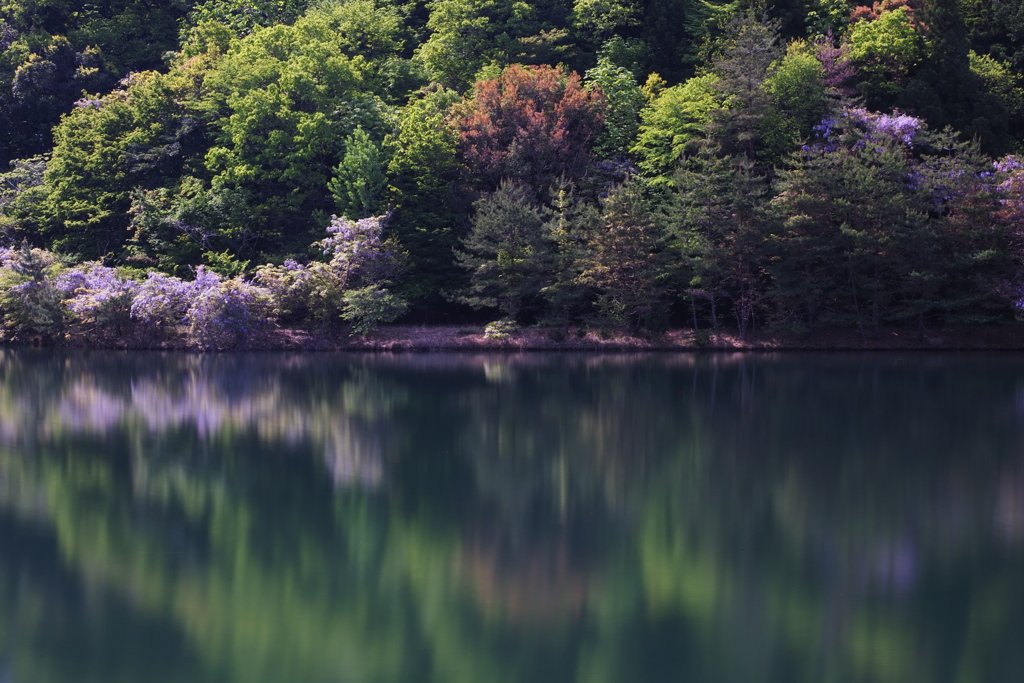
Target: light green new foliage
x: 796, y: 82
x: 90, y: 174
x: 370, y: 307
x: 624, y: 99
x: 459, y: 43
x: 674, y: 118
x: 1000, y: 80
x: 888, y: 46
x: 359, y: 179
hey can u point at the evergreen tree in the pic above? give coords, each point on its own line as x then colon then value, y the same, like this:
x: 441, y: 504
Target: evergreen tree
x: 507, y: 252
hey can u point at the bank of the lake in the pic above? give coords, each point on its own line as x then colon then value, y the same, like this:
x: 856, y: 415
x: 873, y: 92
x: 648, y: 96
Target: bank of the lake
x: 474, y: 338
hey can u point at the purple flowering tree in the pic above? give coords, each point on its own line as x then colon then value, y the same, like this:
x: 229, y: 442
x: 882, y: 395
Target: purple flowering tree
x: 230, y: 315
x: 98, y: 300
x: 162, y: 302
x: 354, y: 284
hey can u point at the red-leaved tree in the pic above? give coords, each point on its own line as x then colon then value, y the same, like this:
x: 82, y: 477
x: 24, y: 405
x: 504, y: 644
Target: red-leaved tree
x: 531, y: 124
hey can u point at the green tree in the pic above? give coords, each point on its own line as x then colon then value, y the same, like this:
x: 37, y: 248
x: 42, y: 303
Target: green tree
x: 672, y: 120
x: 425, y: 191
x: 719, y: 225
x: 886, y: 51
x: 359, y: 179
x: 743, y: 125
x: 625, y: 262
x: 506, y: 252
x: 797, y: 83
x: 624, y: 99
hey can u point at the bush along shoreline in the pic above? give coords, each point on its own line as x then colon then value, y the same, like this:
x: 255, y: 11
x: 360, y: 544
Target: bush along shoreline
x: 345, y: 303
x: 45, y: 301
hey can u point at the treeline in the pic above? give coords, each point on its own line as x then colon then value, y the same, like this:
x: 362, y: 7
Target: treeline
x: 796, y: 164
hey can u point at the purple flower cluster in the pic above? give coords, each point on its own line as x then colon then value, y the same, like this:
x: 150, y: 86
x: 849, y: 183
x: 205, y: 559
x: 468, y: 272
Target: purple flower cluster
x: 88, y: 102
x: 899, y: 127
x: 1007, y: 164
x: 217, y: 313
x: 857, y: 127
x: 165, y: 300
x: 230, y: 315
x: 96, y: 295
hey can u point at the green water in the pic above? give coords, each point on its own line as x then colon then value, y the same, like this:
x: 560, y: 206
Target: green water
x: 536, y: 518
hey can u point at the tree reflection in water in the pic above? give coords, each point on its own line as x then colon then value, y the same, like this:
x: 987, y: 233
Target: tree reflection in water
x: 506, y: 518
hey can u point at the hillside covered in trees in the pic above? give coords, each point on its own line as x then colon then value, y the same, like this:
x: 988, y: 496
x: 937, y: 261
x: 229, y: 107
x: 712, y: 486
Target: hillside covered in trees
x: 227, y: 166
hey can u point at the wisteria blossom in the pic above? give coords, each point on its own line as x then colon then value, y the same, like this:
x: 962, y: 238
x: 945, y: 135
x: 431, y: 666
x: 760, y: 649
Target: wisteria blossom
x: 163, y: 299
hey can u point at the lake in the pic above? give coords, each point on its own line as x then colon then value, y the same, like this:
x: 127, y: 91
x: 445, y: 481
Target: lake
x: 541, y: 518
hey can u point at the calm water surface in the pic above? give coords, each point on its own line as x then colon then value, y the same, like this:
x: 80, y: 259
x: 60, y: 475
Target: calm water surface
x: 486, y: 518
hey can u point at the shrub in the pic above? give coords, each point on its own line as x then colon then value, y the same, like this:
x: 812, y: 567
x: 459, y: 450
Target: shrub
x: 97, y: 297
x: 501, y: 330
x: 370, y: 307
x: 31, y: 306
x: 233, y: 314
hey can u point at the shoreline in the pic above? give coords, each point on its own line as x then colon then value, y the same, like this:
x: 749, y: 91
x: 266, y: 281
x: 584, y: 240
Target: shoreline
x: 410, y: 338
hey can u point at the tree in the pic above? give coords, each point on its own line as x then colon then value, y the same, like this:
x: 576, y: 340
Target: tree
x: 359, y: 179
x: 946, y: 92
x: 719, y: 225
x: 624, y: 100
x: 506, y: 252
x: 531, y: 124
x: 672, y: 120
x: 844, y: 206
x: 625, y: 262
x: 425, y: 191
x: 751, y: 46
x: 797, y: 84
x: 884, y: 221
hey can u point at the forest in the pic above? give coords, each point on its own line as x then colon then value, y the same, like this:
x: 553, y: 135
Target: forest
x: 220, y: 168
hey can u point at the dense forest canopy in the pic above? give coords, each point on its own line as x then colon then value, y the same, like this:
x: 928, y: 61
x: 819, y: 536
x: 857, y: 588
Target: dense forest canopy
x: 799, y: 163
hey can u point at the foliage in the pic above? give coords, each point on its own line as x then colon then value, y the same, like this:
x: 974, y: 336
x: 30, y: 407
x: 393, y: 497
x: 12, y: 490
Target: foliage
x: 244, y: 16
x: 29, y: 302
x: 425, y: 181
x: 500, y: 330
x: 797, y: 84
x: 369, y: 307
x: 624, y: 100
x: 884, y: 221
x: 887, y: 48
x: 162, y: 302
x: 506, y: 252
x: 359, y: 179
x: 531, y: 125
x: 625, y: 262
x: 673, y: 119
x: 166, y: 135
x: 719, y: 227
x: 229, y: 315
x: 743, y: 125
x: 98, y: 298
x: 20, y: 192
